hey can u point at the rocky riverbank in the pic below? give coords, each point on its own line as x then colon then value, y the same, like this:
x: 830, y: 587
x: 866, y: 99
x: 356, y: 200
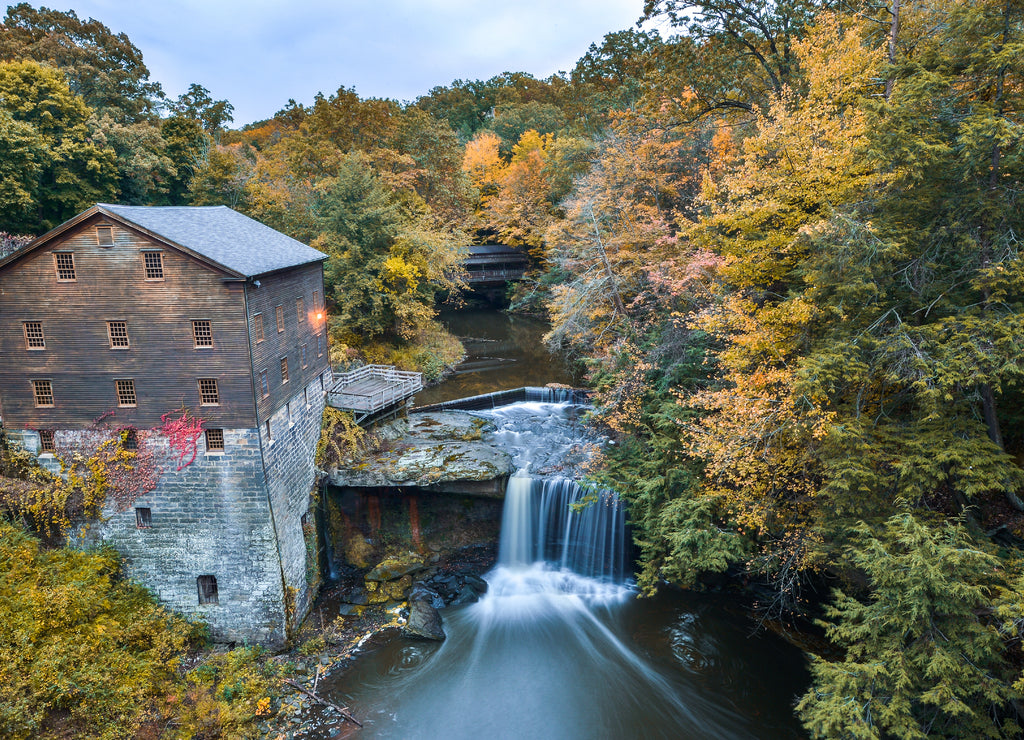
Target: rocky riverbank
x: 350, y: 616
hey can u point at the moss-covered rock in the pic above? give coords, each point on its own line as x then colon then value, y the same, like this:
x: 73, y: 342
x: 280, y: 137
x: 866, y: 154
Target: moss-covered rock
x: 396, y: 566
x: 429, y: 450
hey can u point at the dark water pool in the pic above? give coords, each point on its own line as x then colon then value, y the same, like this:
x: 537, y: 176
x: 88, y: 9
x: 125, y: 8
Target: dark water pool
x: 502, y: 352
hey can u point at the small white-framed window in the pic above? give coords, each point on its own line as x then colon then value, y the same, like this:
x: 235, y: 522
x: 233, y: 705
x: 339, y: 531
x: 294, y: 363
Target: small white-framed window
x: 202, y: 333
x: 215, y: 440
x: 34, y: 338
x: 117, y: 333
x: 209, y: 393
x: 126, y: 396
x: 65, y: 264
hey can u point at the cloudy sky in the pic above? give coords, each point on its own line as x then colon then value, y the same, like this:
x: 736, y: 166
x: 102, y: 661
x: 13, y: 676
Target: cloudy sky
x: 259, y: 53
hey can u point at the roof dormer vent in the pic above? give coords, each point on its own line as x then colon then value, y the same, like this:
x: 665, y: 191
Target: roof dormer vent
x: 105, y: 236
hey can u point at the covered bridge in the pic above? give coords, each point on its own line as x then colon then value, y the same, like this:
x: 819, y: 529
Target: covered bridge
x: 489, y: 265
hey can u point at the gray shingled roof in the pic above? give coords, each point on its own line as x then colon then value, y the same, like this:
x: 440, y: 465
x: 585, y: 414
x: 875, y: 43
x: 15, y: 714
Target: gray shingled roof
x: 222, y: 235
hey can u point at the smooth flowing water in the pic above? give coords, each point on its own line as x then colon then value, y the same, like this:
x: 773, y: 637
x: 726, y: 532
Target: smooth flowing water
x: 502, y: 352
x: 560, y: 646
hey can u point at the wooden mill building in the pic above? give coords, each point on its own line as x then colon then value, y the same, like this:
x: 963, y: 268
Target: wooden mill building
x: 124, y: 314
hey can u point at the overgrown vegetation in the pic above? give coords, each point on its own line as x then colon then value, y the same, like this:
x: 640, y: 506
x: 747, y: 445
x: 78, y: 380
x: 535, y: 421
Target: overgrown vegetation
x: 85, y: 653
x: 340, y: 438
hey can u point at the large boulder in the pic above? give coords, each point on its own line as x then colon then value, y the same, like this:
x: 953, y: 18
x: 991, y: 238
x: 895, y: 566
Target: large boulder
x: 435, y: 450
x: 396, y: 566
x: 424, y: 621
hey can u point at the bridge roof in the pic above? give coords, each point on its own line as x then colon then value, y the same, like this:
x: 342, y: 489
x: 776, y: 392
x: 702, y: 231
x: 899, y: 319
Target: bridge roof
x: 494, y: 250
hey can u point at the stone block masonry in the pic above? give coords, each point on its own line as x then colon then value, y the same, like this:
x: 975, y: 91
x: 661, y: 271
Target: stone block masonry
x: 234, y: 515
x: 288, y: 455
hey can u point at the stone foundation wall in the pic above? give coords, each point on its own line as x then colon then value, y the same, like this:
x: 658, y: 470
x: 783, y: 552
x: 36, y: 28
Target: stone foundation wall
x: 211, y: 518
x: 236, y: 515
x: 291, y: 477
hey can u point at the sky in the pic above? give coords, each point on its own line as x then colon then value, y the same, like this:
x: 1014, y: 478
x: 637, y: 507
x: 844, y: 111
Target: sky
x: 259, y: 53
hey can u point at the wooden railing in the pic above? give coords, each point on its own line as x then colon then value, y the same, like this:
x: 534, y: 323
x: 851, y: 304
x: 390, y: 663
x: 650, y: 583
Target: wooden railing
x: 371, y: 388
x: 499, y: 275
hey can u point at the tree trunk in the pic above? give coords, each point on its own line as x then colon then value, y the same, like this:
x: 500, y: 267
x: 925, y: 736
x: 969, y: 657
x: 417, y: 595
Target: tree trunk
x: 616, y: 298
x: 894, y: 29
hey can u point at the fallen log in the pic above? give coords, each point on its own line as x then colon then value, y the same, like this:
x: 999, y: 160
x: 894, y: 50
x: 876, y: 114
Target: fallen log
x: 320, y: 700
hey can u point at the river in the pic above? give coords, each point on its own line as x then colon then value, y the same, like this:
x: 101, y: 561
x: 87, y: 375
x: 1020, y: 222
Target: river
x: 561, y: 646
x: 502, y: 352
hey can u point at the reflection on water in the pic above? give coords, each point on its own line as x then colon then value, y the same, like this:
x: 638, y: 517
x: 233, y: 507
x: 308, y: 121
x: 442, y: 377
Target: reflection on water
x: 502, y: 352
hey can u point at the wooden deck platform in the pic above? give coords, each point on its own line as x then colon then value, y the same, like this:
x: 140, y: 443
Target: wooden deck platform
x: 372, y: 388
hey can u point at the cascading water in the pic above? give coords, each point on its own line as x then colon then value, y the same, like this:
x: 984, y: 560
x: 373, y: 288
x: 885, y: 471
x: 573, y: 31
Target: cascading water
x: 551, y: 650
x: 558, y: 522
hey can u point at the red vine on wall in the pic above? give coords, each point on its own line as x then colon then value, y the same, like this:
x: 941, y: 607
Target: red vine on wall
x: 182, y: 434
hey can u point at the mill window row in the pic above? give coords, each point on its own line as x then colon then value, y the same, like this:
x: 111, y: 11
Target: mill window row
x: 301, y: 317
x: 117, y: 334
x: 125, y: 392
x: 130, y: 442
x: 67, y: 272
x: 127, y: 397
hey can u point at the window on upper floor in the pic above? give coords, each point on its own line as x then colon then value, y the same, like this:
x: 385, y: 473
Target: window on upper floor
x: 284, y: 370
x: 105, y: 236
x: 154, y: 262
x: 300, y: 310
x: 65, y: 264
x: 43, y: 392
x: 202, y: 333
x: 34, y: 338
x: 257, y: 327
x: 319, y: 345
x: 126, y: 396
x: 209, y: 394
x: 316, y: 300
x: 117, y: 332
x: 280, y: 319
x: 303, y: 355
x: 264, y: 383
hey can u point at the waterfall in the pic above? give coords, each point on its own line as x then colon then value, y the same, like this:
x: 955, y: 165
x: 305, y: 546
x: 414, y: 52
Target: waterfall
x: 555, y: 647
x: 558, y: 522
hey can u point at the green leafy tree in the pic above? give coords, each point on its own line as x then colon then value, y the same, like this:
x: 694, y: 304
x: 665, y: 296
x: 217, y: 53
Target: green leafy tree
x: 186, y: 146
x: 49, y: 128
x: 196, y: 104
x: 146, y: 172
x: 513, y: 120
x: 103, y: 68
x: 612, y: 76
x: 731, y: 56
x: 23, y: 154
x: 387, y: 258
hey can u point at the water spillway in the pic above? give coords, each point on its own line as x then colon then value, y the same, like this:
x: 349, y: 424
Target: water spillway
x: 557, y: 522
x: 559, y: 647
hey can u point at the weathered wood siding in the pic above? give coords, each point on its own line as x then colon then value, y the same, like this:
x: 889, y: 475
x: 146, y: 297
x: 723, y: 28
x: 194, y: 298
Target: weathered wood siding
x: 284, y: 289
x: 162, y: 358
